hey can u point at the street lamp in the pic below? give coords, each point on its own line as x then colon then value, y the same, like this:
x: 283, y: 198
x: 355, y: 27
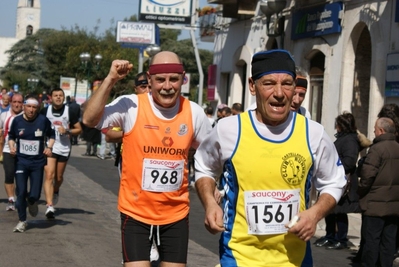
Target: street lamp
x: 269, y: 8
x: 85, y: 58
x: 152, y: 50
x: 32, y: 83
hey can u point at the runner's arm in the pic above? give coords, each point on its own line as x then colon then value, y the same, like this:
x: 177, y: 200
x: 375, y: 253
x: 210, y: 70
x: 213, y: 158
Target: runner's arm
x: 305, y: 228
x: 95, y: 106
x: 213, y: 213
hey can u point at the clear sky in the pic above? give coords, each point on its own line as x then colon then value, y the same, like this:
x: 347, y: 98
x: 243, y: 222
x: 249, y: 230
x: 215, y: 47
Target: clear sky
x: 86, y: 14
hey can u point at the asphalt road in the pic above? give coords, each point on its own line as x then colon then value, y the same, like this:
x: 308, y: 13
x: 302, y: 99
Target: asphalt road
x: 105, y: 174
x: 86, y: 229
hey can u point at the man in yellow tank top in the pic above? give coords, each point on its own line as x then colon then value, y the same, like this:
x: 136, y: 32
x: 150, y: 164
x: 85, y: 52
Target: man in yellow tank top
x: 158, y: 130
x: 268, y: 159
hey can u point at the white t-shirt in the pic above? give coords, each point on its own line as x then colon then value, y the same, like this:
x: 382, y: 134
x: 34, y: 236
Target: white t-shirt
x: 62, y: 144
x: 6, y: 119
x: 328, y: 175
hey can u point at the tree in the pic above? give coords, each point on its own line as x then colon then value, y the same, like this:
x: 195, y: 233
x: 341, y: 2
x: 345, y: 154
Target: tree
x: 49, y: 54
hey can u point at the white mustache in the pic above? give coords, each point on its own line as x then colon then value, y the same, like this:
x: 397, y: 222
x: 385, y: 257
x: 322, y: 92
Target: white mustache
x: 167, y: 92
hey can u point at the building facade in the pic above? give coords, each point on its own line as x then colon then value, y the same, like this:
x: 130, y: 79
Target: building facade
x: 27, y: 23
x: 349, y: 50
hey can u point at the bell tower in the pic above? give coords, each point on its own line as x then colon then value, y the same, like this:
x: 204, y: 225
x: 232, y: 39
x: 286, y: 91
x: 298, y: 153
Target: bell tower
x: 28, y: 18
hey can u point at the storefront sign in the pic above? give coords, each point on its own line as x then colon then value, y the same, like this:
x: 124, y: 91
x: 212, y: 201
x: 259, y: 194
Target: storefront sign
x: 317, y: 21
x: 166, y: 11
x: 211, y: 91
x: 137, y: 33
x: 392, y: 75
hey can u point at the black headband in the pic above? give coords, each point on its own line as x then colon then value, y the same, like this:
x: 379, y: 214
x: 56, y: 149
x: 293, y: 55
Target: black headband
x: 140, y: 82
x: 301, y: 82
x: 272, y: 61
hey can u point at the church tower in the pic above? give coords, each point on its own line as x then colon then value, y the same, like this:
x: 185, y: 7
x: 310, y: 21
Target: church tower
x: 28, y: 18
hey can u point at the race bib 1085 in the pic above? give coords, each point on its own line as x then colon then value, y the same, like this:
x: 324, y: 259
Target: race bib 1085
x: 29, y: 147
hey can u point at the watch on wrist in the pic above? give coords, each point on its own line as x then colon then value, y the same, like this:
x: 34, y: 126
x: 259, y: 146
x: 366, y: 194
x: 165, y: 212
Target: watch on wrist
x: 50, y: 147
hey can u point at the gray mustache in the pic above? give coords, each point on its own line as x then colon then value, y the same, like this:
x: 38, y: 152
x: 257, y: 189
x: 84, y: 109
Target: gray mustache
x: 167, y: 92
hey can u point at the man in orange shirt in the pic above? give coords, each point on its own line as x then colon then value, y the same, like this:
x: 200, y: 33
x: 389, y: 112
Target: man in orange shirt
x: 159, y: 129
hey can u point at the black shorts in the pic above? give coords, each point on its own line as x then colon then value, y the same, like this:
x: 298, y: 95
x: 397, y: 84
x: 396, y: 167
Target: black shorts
x: 60, y: 158
x: 9, y: 168
x: 171, y: 239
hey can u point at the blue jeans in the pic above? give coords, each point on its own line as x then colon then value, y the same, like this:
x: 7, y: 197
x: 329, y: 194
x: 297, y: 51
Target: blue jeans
x: 35, y: 175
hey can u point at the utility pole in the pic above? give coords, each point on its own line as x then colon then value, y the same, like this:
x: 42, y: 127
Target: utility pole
x: 192, y: 29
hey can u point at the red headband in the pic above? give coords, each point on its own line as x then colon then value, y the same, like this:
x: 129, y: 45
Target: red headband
x: 166, y: 68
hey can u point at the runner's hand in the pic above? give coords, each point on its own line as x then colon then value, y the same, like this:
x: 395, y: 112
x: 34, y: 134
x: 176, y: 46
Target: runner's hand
x: 305, y: 227
x: 119, y: 69
x: 214, y: 219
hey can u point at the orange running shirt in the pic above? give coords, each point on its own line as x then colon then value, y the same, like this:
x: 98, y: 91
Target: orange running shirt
x: 154, y: 179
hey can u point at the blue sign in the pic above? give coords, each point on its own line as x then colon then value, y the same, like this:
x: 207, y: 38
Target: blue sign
x: 317, y: 21
x: 397, y: 11
x: 16, y: 87
x: 392, y: 75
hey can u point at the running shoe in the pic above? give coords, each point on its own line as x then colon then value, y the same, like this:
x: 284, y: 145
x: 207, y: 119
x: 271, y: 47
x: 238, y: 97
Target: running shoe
x: 56, y: 195
x: 10, y: 205
x: 50, y: 212
x: 21, y: 227
x: 33, y: 209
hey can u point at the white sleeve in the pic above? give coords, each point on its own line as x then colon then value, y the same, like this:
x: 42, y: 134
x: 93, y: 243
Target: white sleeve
x: 122, y: 112
x: 329, y: 174
x: 217, y: 147
x: 2, y: 119
x: 201, y: 124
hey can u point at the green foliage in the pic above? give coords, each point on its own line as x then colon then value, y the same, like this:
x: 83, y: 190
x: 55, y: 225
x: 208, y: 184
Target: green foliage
x: 49, y: 54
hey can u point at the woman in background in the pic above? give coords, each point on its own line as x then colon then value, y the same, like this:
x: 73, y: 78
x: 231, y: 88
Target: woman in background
x: 349, y: 143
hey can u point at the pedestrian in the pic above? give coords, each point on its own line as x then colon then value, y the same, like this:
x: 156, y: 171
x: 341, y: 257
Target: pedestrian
x: 391, y: 111
x: 209, y: 114
x: 219, y: 114
x: 269, y: 157
x: 236, y: 108
x: 141, y: 84
x: 159, y: 128
x: 28, y: 137
x: 301, y: 87
x: 379, y: 196
x: 65, y: 122
x: 92, y: 136
x: 75, y: 109
x: 6, y: 119
x: 226, y: 112
x: 4, y: 107
x: 348, y: 144
x: 3, y: 92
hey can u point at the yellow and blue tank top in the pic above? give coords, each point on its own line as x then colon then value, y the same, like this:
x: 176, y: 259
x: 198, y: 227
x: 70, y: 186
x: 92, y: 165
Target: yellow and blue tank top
x: 267, y: 182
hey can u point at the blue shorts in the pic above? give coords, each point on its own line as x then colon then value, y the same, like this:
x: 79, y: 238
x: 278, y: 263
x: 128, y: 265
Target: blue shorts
x: 137, y: 238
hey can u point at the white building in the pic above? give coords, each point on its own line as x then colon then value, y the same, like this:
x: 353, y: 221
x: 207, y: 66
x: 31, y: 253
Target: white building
x: 27, y: 23
x: 343, y: 46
